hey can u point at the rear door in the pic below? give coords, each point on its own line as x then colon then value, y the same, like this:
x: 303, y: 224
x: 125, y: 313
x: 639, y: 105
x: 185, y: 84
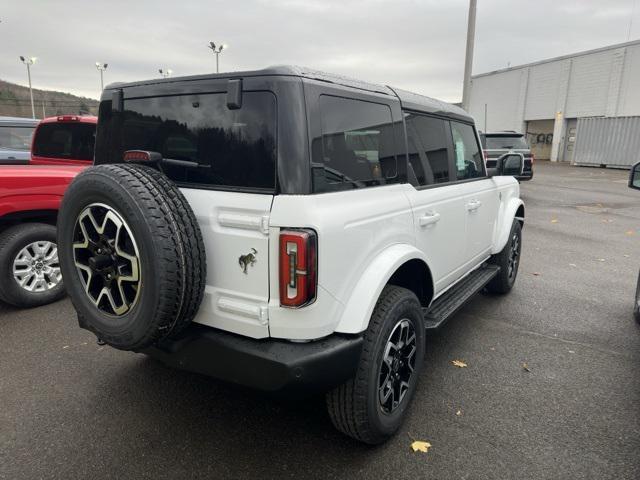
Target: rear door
x: 228, y: 176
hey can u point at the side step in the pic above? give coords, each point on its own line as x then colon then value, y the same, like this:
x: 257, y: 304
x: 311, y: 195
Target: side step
x: 452, y: 300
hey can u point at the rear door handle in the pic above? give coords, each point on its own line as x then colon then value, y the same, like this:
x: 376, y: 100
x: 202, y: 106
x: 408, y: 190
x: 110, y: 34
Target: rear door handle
x: 473, y: 205
x: 429, y: 219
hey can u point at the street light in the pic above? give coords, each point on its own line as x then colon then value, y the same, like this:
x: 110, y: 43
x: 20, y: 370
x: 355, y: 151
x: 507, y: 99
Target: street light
x: 166, y: 72
x: 101, y: 68
x: 217, y: 51
x: 28, y: 62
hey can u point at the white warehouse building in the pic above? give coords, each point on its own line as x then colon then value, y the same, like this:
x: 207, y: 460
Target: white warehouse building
x: 582, y: 108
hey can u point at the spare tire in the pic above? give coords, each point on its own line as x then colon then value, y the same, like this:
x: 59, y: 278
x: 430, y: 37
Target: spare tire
x: 131, y: 254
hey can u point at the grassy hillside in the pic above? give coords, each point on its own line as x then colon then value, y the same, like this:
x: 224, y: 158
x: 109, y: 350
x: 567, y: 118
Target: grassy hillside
x: 15, y: 102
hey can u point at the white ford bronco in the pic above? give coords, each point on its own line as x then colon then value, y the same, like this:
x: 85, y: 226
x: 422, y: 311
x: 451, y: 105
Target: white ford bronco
x: 287, y: 230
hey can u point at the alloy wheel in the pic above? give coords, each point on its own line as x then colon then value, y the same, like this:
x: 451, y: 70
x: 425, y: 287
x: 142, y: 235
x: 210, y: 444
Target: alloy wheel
x: 398, y: 365
x: 514, y: 255
x: 36, y: 268
x: 107, y: 259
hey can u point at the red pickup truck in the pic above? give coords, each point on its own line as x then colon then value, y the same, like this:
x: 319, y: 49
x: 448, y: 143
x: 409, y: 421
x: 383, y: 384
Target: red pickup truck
x: 30, y: 197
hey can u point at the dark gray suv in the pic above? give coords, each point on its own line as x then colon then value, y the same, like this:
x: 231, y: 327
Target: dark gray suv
x: 634, y: 182
x: 496, y: 144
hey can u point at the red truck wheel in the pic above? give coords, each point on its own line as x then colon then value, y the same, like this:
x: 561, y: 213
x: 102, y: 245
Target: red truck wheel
x: 29, y: 270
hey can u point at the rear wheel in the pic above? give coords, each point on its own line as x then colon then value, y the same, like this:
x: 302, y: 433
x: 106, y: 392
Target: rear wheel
x: 371, y: 406
x: 29, y: 269
x: 508, y: 260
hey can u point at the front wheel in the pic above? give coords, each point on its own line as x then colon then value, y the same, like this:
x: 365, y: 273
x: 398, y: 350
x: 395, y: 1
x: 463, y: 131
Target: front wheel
x: 371, y: 406
x: 508, y: 260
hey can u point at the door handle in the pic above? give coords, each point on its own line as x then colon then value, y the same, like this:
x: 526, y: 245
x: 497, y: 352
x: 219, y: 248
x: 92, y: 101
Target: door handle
x: 473, y: 205
x: 429, y: 219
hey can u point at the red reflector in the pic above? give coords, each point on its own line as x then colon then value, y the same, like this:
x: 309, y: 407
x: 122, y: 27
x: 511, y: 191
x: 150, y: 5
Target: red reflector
x: 298, y: 266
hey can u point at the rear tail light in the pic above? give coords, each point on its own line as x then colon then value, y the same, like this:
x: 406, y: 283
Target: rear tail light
x: 142, y: 156
x: 68, y: 118
x: 298, y: 267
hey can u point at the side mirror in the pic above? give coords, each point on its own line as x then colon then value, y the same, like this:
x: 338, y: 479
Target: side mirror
x: 634, y: 177
x: 511, y: 164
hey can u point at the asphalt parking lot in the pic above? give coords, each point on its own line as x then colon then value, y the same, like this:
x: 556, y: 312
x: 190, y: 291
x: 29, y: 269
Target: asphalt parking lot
x: 72, y: 409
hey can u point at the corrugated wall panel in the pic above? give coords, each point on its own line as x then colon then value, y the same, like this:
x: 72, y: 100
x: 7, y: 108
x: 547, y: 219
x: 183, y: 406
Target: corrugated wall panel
x: 614, y: 142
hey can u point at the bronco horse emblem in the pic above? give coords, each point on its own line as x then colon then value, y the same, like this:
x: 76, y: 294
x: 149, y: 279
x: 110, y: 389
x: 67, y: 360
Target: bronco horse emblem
x: 248, y: 260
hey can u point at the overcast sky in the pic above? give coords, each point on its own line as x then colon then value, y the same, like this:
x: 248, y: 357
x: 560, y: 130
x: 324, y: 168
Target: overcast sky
x: 417, y: 45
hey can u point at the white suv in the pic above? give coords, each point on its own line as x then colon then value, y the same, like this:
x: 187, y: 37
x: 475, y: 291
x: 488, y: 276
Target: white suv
x: 288, y: 230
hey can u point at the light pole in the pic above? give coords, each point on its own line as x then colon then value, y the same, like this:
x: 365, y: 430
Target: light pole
x: 28, y: 62
x: 468, y: 60
x: 165, y: 72
x: 217, y: 51
x: 101, y: 68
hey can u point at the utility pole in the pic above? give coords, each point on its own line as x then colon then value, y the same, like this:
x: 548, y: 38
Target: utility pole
x: 28, y: 62
x: 468, y: 61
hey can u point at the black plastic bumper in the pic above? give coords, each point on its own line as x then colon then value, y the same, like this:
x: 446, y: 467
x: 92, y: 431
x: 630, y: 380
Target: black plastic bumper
x: 269, y: 364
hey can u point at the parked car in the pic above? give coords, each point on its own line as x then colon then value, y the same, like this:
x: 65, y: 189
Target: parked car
x: 15, y: 139
x: 29, y: 200
x: 634, y: 182
x: 64, y: 140
x: 288, y: 230
x: 496, y: 144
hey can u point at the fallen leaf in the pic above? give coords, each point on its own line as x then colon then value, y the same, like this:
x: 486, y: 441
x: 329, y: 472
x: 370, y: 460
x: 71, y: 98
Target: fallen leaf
x: 525, y: 367
x: 493, y: 349
x: 537, y: 274
x: 572, y: 265
x: 571, y: 351
x: 459, y: 412
x: 626, y: 256
x: 66, y: 346
x: 630, y: 232
x: 554, y: 220
x: 601, y: 259
x: 459, y: 363
x: 606, y: 220
x: 419, y: 446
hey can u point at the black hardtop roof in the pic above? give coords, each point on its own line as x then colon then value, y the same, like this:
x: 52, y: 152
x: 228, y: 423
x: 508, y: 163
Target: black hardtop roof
x: 503, y: 133
x: 409, y: 100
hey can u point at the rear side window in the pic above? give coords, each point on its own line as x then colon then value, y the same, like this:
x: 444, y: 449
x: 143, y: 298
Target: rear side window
x: 504, y: 142
x: 467, y: 155
x: 356, y: 149
x: 225, y: 148
x: 72, y: 141
x: 16, y: 138
x: 428, y: 140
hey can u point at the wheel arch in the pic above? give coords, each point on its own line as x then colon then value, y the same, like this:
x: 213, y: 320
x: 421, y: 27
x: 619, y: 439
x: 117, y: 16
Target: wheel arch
x: 401, y: 265
x: 513, y: 209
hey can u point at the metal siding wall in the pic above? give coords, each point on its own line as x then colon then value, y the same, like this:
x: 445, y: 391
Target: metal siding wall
x: 629, y: 97
x: 500, y: 92
x: 544, y: 81
x: 589, y: 85
x: 614, y: 142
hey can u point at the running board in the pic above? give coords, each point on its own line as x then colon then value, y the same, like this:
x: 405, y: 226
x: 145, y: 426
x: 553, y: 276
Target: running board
x: 451, y: 301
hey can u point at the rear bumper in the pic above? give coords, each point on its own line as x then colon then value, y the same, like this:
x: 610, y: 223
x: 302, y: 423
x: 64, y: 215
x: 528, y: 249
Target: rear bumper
x: 270, y: 365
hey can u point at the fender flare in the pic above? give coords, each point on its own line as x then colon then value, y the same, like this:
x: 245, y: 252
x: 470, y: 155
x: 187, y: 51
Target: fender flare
x: 359, y: 307
x: 507, y: 214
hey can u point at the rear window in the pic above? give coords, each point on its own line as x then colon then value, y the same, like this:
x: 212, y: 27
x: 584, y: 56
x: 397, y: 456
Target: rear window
x: 227, y: 148
x: 65, y: 140
x: 16, y: 138
x: 504, y: 142
x: 357, y: 146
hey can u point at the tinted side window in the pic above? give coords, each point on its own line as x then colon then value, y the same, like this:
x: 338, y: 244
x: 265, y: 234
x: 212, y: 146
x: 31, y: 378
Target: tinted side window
x: 428, y: 142
x: 468, y: 157
x: 228, y: 148
x: 357, y: 147
x: 73, y: 141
